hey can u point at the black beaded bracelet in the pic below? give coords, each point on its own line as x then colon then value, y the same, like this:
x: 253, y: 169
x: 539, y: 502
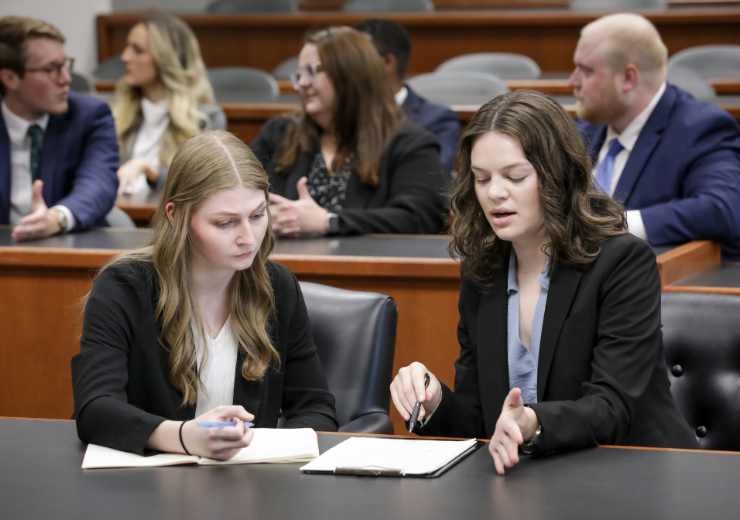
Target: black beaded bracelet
x: 182, y: 443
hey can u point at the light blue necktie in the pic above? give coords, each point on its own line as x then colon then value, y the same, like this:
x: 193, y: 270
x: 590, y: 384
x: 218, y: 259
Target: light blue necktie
x: 604, y: 173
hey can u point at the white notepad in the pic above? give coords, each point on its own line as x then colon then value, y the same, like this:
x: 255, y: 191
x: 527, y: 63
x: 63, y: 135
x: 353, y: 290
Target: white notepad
x: 268, y: 446
x: 397, y: 457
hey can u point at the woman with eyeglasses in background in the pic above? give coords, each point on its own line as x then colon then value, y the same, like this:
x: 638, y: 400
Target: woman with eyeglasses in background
x: 347, y: 161
x: 163, y: 99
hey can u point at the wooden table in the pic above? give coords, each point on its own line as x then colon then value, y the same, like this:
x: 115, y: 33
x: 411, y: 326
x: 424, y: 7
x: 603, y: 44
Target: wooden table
x: 717, y: 278
x: 548, y: 37
x: 43, y: 282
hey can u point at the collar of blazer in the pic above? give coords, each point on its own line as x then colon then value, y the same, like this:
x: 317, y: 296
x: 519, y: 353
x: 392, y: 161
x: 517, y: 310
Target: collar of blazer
x: 492, y: 352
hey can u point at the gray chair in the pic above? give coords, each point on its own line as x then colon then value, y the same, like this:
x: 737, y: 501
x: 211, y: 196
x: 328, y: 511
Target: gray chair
x: 619, y: 5
x: 81, y: 84
x: 242, y: 80
x: 111, y: 69
x: 505, y: 65
x: 458, y: 87
x: 692, y: 83
x: 118, y: 218
x: 701, y: 337
x: 388, y: 6
x: 286, y: 67
x: 355, y: 336
x: 252, y: 6
x: 709, y: 61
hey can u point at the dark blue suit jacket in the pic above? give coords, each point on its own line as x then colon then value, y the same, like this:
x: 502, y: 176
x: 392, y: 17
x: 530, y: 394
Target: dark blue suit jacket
x: 439, y: 120
x: 79, y: 160
x: 683, y: 173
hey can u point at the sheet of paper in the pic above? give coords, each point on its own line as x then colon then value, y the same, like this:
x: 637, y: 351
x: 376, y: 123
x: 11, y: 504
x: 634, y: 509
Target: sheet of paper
x: 276, y: 446
x: 413, y: 457
x: 101, y: 457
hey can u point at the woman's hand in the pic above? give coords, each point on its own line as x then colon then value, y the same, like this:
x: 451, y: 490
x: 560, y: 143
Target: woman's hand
x: 516, y: 423
x: 290, y: 217
x: 408, y: 387
x: 130, y: 171
x: 214, y: 443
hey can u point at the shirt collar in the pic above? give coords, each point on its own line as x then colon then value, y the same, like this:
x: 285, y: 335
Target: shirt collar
x: 18, y: 127
x: 629, y: 136
x: 512, y: 286
x: 401, y: 95
x: 154, y: 113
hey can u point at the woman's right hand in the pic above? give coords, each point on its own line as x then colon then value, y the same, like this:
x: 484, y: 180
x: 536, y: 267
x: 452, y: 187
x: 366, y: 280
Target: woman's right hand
x: 218, y: 443
x: 408, y: 387
x: 129, y: 172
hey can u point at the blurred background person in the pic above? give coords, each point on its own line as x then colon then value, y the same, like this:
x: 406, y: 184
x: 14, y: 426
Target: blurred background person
x: 163, y: 99
x: 348, y: 161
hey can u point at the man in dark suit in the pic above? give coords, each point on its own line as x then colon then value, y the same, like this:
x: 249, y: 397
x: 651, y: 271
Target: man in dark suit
x: 394, y: 45
x: 673, y: 161
x: 58, y: 149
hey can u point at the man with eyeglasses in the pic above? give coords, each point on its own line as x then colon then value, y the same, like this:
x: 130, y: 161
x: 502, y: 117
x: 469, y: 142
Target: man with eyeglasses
x: 58, y: 149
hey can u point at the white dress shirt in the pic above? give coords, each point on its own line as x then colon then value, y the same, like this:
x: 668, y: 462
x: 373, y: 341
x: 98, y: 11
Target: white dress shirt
x: 401, y: 95
x: 156, y: 119
x: 218, y: 374
x: 21, y: 184
x: 627, y: 139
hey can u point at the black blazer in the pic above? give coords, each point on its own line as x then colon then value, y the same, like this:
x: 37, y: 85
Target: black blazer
x: 408, y: 198
x: 120, y: 377
x: 601, y: 376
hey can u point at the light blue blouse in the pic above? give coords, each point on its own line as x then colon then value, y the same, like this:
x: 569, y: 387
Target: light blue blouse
x: 523, y: 362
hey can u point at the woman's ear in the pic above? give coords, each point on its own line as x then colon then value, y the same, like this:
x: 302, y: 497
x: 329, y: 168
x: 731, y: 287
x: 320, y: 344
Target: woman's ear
x: 170, y: 209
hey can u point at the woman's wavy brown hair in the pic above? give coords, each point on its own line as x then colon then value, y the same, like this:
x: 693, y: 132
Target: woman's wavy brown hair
x: 366, y: 115
x: 205, y: 164
x: 578, y: 217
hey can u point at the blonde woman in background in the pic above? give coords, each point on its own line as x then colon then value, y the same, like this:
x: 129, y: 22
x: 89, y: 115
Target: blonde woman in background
x: 163, y: 99
x: 199, y: 323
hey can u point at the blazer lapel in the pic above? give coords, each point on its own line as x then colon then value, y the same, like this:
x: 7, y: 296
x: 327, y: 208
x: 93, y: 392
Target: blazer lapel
x: 563, y: 288
x: 649, y: 138
x: 594, y: 144
x: 493, y: 357
x: 4, y: 173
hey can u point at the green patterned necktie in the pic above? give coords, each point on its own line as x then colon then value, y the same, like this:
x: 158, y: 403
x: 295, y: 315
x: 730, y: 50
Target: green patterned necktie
x: 36, y: 135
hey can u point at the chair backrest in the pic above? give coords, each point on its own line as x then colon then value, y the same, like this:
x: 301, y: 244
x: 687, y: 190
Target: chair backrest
x: 709, y: 61
x: 619, y: 5
x: 110, y: 69
x: 701, y: 337
x: 242, y: 79
x: 252, y: 6
x: 355, y: 335
x: 284, y: 69
x: 458, y: 87
x: 692, y: 83
x: 505, y: 65
x: 81, y: 84
x: 118, y: 218
x: 388, y: 6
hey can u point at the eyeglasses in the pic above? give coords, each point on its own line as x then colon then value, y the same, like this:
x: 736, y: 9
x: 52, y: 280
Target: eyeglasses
x: 309, y: 73
x: 55, y: 69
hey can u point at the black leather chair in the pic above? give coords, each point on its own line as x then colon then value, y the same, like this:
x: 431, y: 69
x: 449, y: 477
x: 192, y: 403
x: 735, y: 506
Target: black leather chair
x: 701, y: 335
x: 355, y: 335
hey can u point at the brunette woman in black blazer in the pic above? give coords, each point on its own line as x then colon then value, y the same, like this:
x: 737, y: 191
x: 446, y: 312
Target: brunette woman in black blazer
x: 348, y: 161
x: 199, y: 323
x: 559, y: 329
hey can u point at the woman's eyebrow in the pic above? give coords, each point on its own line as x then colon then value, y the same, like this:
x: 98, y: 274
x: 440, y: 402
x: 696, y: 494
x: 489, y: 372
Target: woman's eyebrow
x: 505, y: 169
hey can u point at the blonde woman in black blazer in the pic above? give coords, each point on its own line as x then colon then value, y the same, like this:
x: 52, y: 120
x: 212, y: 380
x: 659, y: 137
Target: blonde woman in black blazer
x: 560, y: 340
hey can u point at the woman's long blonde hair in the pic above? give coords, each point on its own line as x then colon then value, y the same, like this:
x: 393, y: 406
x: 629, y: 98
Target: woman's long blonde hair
x: 205, y: 164
x: 176, y: 54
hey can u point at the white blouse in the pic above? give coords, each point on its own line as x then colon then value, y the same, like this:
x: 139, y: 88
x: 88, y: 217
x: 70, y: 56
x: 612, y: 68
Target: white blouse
x: 146, y: 146
x: 218, y: 374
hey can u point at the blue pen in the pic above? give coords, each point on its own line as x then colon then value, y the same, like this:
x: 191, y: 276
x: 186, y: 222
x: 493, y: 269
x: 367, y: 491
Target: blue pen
x: 209, y: 424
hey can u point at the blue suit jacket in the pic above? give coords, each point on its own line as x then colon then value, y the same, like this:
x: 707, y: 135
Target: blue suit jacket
x: 683, y: 173
x: 439, y: 120
x: 79, y: 160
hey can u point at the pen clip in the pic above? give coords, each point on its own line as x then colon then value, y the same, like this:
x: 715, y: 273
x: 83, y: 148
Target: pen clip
x: 370, y: 471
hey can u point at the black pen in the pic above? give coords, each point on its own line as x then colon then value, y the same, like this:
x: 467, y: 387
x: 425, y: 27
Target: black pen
x: 417, y: 406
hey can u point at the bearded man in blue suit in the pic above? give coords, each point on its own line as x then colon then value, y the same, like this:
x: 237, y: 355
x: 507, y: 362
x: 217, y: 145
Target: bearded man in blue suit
x: 673, y: 161
x: 58, y: 149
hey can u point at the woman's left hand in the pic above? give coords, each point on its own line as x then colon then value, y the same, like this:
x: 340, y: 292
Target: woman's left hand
x: 516, y: 423
x: 290, y: 217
